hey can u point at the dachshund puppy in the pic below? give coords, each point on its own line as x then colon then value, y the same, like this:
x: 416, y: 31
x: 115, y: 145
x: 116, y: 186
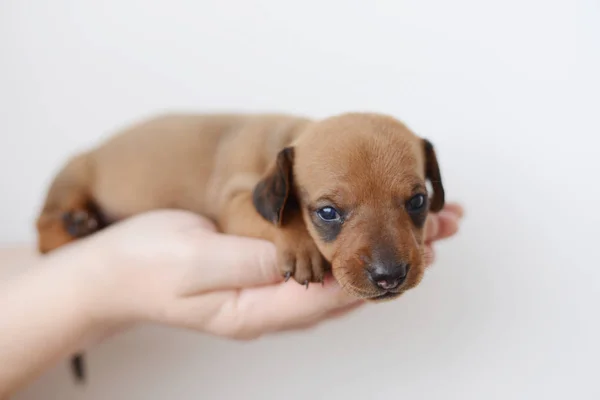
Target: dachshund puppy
x: 347, y: 193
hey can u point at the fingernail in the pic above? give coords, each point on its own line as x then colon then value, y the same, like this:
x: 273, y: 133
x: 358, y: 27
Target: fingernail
x: 458, y: 210
x: 450, y: 215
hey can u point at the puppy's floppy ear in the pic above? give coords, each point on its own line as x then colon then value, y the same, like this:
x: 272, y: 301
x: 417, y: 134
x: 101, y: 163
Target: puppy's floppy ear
x: 432, y: 173
x: 272, y: 193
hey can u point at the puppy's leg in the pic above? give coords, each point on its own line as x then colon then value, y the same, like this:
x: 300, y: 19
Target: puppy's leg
x: 69, y: 213
x: 297, y: 253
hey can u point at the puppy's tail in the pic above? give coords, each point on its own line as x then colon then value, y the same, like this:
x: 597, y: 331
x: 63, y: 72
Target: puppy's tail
x: 60, y: 222
x: 78, y: 367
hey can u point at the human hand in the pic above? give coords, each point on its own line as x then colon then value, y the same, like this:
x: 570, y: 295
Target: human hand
x: 172, y: 267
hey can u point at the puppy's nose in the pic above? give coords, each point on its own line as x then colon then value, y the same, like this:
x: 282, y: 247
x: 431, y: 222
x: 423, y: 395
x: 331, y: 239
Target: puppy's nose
x: 388, y: 277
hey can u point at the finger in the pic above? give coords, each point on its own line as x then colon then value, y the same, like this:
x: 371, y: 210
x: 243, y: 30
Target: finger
x: 449, y: 210
x: 181, y: 219
x: 432, y: 227
x: 455, y: 208
x: 229, y: 262
x: 441, y: 225
x: 429, y: 256
x: 251, y: 312
x: 448, y: 224
x: 291, y: 304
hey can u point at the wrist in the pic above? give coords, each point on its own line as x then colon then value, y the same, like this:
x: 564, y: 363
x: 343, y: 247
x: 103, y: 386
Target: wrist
x: 48, y: 313
x: 88, y: 290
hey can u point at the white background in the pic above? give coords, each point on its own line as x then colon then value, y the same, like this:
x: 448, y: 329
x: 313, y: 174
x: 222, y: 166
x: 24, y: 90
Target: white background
x: 508, y: 91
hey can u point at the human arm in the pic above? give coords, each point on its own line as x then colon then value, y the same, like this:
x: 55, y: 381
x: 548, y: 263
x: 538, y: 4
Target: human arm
x: 43, y: 313
x: 165, y: 267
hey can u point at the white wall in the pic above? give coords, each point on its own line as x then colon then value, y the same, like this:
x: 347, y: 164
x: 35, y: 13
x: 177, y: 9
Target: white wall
x: 508, y: 92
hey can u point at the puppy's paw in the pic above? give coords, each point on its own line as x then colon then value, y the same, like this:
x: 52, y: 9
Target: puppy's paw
x: 80, y: 223
x: 300, y: 258
x: 59, y: 228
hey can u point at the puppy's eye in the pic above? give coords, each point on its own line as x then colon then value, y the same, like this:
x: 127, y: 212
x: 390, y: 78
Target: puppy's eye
x: 328, y: 214
x: 416, y: 203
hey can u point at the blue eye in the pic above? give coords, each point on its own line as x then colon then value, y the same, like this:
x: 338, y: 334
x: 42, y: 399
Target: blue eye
x: 328, y: 214
x: 416, y: 203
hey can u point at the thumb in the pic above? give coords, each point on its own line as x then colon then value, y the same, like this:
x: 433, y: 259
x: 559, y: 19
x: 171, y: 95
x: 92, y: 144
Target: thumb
x: 231, y: 262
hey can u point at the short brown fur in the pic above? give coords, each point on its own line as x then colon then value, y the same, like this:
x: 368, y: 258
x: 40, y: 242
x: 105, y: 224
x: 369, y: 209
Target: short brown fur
x: 267, y: 177
x: 263, y: 176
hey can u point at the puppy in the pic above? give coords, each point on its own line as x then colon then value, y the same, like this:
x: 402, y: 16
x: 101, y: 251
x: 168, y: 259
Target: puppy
x: 347, y: 193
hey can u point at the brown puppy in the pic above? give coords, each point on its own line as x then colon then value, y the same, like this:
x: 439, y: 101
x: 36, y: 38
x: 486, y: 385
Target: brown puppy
x: 347, y: 193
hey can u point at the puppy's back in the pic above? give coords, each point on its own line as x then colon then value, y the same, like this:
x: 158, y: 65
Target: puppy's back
x: 172, y: 160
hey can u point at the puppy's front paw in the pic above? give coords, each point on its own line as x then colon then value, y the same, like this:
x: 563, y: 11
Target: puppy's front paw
x: 300, y: 258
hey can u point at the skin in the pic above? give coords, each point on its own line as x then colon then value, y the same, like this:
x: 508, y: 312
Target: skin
x: 168, y: 267
x: 264, y: 177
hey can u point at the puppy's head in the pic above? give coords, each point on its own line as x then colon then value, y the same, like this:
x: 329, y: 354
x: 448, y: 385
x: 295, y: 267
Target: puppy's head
x: 360, y: 181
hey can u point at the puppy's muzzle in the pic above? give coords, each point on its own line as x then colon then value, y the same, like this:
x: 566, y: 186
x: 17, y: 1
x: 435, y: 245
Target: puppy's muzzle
x: 388, y: 276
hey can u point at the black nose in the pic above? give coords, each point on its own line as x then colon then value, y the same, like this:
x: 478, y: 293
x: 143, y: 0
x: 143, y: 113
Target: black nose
x: 388, y: 277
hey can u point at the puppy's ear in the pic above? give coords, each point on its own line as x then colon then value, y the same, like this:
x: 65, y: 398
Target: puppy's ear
x: 432, y: 173
x: 272, y: 193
